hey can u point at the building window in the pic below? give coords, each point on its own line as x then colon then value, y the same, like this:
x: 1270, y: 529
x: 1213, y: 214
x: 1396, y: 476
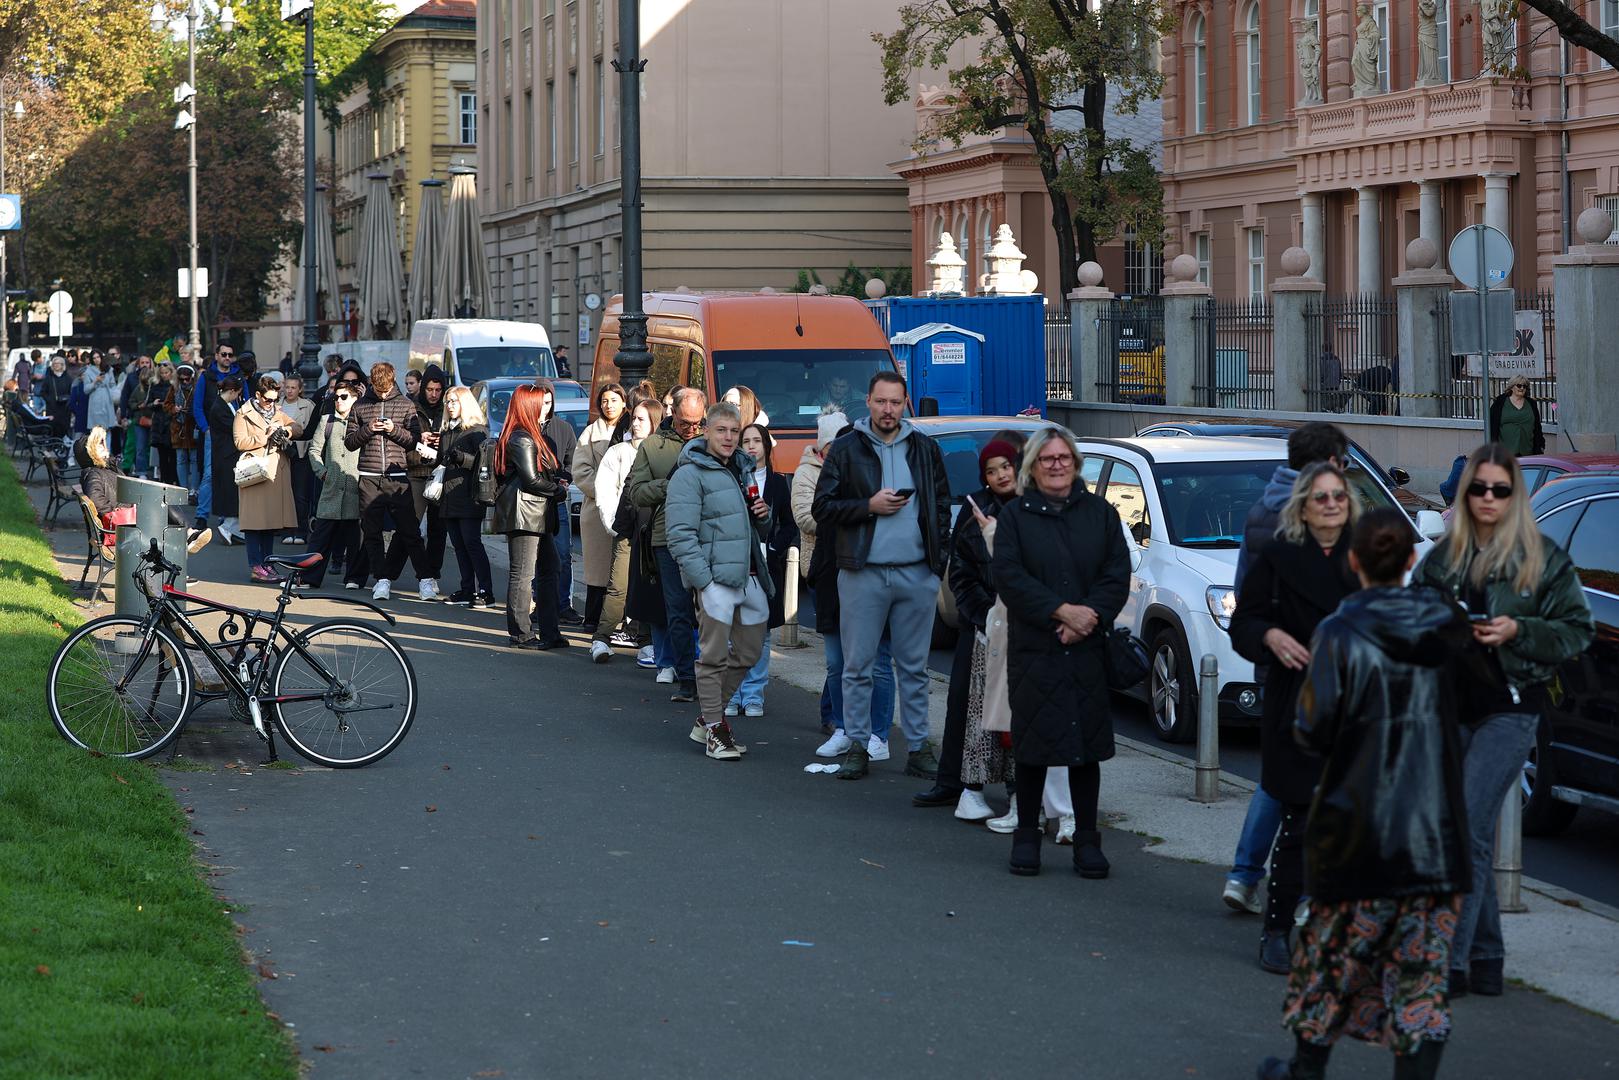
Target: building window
x: 1200, y: 76
x: 1256, y: 262
x: 601, y: 108
x: 1381, y: 14
x: 1610, y: 20
x: 1256, y: 88
x: 573, y: 117
x: 1143, y: 270
x: 528, y: 135
x: 1610, y: 203
x: 1205, y: 256
x: 1442, y: 19
x: 468, y: 110
x: 551, y: 125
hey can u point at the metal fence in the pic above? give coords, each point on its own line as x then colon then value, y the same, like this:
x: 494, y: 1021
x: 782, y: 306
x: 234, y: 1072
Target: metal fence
x: 1131, y: 367
x: 1059, y: 361
x: 1354, y: 345
x: 1538, y: 316
x: 1236, y: 368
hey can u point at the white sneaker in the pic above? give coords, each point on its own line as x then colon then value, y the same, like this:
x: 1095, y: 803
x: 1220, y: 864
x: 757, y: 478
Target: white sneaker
x: 972, y: 807
x: 1065, y: 829
x: 351, y: 584
x: 1239, y: 896
x: 753, y: 710
x: 666, y: 675
x: 600, y: 652
x: 835, y: 746
x: 732, y: 710
x: 428, y: 589
x: 876, y: 749
x: 383, y: 589
x: 645, y: 657
x: 1009, y: 822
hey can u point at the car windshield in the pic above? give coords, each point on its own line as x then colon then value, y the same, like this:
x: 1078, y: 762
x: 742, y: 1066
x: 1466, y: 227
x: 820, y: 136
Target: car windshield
x: 568, y: 390
x: 1206, y: 502
x: 794, y: 385
x: 500, y: 400
x: 504, y: 361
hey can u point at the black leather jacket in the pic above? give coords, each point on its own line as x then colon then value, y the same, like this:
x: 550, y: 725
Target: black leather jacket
x: 851, y: 475
x: 527, y: 502
x: 1379, y: 703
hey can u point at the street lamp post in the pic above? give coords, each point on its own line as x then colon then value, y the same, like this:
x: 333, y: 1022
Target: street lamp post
x: 633, y: 359
x: 309, y: 349
x: 5, y: 306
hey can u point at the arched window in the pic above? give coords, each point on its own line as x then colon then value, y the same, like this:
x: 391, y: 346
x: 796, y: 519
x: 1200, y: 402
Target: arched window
x: 1200, y: 76
x: 1442, y: 18
x: 1252, y: 45
x: 964, y: 243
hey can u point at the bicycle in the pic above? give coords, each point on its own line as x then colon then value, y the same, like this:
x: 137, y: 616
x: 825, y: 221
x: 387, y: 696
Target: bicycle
x: 341, y: 692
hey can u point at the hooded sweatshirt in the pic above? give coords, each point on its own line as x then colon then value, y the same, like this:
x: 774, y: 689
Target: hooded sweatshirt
x: 1260, y: 526
x: 897, y: 537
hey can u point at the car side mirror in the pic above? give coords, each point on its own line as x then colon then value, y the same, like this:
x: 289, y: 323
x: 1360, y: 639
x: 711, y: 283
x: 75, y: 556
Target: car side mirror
x: 1400, y: 477
x: 1430, y: 525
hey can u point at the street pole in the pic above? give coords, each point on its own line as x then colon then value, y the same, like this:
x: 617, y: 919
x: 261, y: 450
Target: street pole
x: 191, y: 172
x: 5, y: 306
x: 309, y: 351
x: 1483, y: 336
x: 632, y: 359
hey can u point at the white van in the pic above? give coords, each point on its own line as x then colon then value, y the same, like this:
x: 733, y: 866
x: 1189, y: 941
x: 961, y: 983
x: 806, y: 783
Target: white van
x: 472, y: 350
x: 366, y: 353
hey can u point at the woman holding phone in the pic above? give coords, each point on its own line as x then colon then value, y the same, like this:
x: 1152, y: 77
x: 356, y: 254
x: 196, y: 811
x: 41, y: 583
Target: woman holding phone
x: 776, y: 491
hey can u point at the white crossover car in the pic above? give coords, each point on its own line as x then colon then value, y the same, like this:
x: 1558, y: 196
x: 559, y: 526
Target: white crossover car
x: 1184, y: 500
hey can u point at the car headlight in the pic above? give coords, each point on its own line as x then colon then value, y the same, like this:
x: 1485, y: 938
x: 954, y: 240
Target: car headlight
x: 1222, y: 604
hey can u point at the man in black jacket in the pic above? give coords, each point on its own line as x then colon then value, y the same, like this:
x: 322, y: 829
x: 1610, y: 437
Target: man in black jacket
x: 384, y: 429
x: 884, y: 486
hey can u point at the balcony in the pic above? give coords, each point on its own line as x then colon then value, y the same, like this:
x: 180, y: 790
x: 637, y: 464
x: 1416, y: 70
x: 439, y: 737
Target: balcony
x: 1416, y: 112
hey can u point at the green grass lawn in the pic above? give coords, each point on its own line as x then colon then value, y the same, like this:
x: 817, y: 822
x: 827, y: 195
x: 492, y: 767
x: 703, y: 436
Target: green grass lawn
x: 115, y: 958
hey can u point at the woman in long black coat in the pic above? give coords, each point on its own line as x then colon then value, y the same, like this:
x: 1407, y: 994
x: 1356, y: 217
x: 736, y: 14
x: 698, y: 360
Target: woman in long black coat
x: 465, y: 430
x: 1295, y: 581
x: 1062, y: 568
x: 221, y: 429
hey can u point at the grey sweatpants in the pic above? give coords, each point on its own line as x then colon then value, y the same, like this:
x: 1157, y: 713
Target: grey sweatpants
x: 902, y: 598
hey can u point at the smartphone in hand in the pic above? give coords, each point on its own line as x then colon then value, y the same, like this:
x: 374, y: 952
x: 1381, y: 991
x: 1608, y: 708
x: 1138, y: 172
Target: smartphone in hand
x: 905, y: 493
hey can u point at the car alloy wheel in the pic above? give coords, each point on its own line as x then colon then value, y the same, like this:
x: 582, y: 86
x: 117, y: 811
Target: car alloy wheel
x: 1170, y: 695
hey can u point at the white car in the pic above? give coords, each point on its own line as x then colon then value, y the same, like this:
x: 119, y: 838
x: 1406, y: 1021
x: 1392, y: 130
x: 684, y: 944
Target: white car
x: 1184, y: 500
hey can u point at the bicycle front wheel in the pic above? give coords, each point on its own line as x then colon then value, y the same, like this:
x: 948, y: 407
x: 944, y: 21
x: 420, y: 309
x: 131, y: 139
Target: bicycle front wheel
x: 345, y: 694
x: 107, y: 694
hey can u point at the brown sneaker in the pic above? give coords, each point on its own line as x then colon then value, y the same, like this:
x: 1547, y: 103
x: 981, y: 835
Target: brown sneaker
x: 719, y: 743
x: 699, y: 734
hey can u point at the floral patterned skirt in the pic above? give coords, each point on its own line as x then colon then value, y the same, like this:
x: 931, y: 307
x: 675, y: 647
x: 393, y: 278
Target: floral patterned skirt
x: 983, y: 759
x: 1376, y: 970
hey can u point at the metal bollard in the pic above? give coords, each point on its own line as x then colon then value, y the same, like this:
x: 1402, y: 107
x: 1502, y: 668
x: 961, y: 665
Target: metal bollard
x: 1509, y: 853
x: 1208, y: 730
x: 789, y: 603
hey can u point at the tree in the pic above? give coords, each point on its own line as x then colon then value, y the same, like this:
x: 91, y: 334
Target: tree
x: 1046, y: 66
x: 1575, y: 30
x: 344, y: 29
x: 94, y: 54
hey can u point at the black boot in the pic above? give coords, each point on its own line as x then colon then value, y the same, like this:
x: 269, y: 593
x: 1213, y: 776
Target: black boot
x: 1025, y: 852
x: 1275, y: 952
x: 1487, y: 977
x: 1089, y: 862
x: 1423, y: 1065
x: 1309, y: 1063
x: 1457, y: 984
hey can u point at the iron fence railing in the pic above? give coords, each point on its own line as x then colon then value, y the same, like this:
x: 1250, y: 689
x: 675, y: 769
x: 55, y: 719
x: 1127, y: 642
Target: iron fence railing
x: 1235, y: 366
x: 1354, y: 345
x: 1131, y: 367
x: 1059, y: 360
x: 1460, y: 397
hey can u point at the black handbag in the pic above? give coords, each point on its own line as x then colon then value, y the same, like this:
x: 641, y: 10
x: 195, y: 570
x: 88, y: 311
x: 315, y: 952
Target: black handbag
x: 1125, y: 658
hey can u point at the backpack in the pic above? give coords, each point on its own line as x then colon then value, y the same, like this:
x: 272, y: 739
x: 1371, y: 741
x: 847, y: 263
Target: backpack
x: 487, y: 485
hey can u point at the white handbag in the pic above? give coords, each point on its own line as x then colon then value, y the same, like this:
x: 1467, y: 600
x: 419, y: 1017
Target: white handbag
x: 253, y: 469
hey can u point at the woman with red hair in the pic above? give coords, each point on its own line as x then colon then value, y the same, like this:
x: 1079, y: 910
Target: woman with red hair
x: 526, y: 511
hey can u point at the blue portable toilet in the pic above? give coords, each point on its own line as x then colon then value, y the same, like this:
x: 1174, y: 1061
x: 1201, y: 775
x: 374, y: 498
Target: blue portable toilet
x: 944, y: 362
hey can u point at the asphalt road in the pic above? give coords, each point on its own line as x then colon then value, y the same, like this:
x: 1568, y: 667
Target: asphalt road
x: 548, y: 879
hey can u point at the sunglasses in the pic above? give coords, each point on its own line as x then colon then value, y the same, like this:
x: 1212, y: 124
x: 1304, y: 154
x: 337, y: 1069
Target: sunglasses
x: 1322, y: 498
x: 227, y: 356
x: 1478, y: 489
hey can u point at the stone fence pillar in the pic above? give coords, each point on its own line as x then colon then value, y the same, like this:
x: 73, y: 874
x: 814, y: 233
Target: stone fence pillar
x: 1086, y: 307
x: 1587, y: 282
x: 1290, y: 300
x: 1424, y: 372
x: 1184, y: 297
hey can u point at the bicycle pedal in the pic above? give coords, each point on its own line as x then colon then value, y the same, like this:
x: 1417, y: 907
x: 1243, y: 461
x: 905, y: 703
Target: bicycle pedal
x: 257, y: 714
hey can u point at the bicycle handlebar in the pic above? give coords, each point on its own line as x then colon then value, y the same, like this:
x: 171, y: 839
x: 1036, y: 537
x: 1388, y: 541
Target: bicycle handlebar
x: 154, y: 558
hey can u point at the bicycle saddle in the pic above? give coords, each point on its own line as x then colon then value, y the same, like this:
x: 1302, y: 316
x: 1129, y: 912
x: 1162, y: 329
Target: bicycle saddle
x: 295, y: 562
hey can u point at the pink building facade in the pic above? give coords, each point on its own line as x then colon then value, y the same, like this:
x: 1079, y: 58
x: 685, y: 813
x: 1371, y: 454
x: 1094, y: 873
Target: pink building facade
x: 1264, y: 149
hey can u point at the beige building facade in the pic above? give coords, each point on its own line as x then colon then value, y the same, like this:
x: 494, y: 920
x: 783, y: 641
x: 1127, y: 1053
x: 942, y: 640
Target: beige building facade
x: 765, y: 144
x: 1351, y: 130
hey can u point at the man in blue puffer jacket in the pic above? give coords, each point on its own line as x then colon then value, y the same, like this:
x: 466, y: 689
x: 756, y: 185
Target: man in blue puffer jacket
x: 714, y: 526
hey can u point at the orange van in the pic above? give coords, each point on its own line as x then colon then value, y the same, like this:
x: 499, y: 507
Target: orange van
x: 798, y: 353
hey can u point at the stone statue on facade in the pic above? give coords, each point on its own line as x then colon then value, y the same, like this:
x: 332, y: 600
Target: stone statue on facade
x: 1428, y: 43
x: 1497, y: 34
x: 947, y: 265
x: 1364, y: 61
x: 1309, y: 51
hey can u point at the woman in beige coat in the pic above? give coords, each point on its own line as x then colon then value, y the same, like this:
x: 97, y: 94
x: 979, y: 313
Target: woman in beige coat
x: 263, y: 430
x: 595, y: 540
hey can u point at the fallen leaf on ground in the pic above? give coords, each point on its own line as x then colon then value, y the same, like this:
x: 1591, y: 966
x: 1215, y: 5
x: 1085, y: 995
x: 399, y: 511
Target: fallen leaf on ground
x: 490, y: 1072
x: 265, y: 972
x: 323, y: 1048
x: 531, y: 836
x: 191, y: 809
x: 432, y: 809
x: 601, y: 922
x: 41, y: 969
x: 120, y: 779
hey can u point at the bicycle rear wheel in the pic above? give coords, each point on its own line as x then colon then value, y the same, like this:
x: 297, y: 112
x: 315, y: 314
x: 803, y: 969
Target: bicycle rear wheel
x: 358, y: 694
x: 105, y: 696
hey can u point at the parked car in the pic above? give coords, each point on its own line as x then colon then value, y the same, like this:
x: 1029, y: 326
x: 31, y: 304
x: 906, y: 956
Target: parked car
x: 472, y: 350
x: 1184, y: 500
x: 569, y: 390
x: 495, y: 397
x: 1575, y: 761
x: 1396, y: 479
x: 1539, y: 468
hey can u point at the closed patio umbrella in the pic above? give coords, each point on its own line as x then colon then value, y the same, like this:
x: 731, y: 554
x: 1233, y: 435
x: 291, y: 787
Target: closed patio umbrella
x: 382, y: 277
x: 325, y: 262
x: 428, y: 252
x: 463, y: 288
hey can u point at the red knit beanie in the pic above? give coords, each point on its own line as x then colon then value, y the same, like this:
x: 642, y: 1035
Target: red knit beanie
x: 993, y: 449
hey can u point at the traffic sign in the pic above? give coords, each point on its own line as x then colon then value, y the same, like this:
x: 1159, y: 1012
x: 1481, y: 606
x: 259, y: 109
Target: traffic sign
x: 60, y: 305
x: 1481, y: 257
x: 185, y: 282
x: 10, y: 212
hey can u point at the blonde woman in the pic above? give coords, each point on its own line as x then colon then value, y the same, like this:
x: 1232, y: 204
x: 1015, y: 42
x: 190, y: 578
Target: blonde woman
x: 98, y: 479
x: 465, y: 430
x: 261, y: 428
x: 1294, y: 582
x: 611, y: 473
x: 1515, y: 419
x: 595, y: 542
x: 1530, y: 612
x: 748, y: 402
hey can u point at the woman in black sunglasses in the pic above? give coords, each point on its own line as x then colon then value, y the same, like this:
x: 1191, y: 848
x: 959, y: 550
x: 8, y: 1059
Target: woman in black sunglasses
x: 1529, y: 612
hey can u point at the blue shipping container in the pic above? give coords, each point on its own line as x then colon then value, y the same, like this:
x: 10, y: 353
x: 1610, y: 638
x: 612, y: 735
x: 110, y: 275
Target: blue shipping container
x: 1014, y: 350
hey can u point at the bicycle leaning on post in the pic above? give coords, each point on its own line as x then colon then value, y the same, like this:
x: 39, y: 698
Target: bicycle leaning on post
x: 341, y: 692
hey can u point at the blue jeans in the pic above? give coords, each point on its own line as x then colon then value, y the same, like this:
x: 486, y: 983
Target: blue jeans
x: 564, y: 540
x: 205, y: 488
x: 660, y: 648
x: 882, y: 687
x: 143, y: 450
x: 680, y: 619
x: 188, y: 463
x: 260, y: 546
x: 752, y: 690
x: 1496, y: 751
x: 1258, y: 833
